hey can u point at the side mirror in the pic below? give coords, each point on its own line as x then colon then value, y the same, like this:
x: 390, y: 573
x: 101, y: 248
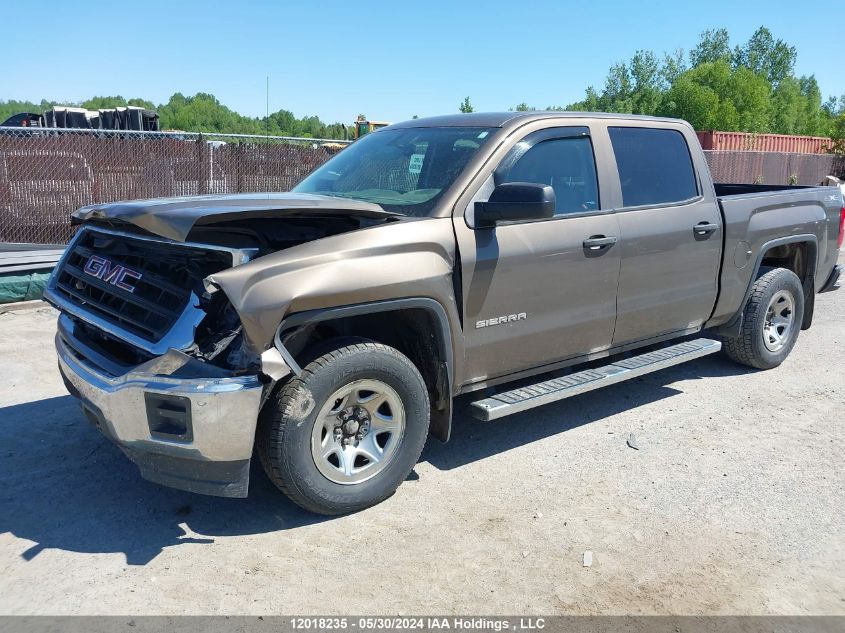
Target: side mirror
x: 515, y: 202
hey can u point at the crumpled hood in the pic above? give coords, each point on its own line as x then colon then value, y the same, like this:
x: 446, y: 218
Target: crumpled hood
x: 174, y: 218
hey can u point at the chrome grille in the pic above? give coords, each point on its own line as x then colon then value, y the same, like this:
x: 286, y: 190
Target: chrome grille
x: 169, y: 275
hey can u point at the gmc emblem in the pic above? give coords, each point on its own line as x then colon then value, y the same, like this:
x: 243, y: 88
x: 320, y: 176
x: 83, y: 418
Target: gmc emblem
x: 111, y: 273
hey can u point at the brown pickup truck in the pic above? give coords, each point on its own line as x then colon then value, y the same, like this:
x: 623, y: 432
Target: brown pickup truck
x: 330, y: 328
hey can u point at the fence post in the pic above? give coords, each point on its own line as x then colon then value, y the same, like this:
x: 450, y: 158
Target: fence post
x: 202, y: 167
x: 239, y: 157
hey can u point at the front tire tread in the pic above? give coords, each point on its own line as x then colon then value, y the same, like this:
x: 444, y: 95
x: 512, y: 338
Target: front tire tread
x: 278, y: 417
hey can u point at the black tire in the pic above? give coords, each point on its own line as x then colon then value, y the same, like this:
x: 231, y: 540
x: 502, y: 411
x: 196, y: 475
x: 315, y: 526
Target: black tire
x: 286, y: 423
x: 749, y: 348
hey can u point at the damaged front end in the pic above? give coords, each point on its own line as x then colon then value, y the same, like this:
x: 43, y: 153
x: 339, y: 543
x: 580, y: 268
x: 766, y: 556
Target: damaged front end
x: 157, y: 361
x: 167, y: 339
x: 220, y: 341
x: 137, y: 296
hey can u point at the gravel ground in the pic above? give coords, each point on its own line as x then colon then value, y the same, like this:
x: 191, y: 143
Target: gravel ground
x: 733, y: 504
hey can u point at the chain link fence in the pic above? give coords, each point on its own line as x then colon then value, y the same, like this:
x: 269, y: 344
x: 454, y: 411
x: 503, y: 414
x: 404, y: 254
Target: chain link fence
x: 46, y: 174
x: 773, y: 168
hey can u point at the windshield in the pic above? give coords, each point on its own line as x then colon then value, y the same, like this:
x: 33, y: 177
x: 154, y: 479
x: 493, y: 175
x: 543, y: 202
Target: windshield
x: 405, y: 170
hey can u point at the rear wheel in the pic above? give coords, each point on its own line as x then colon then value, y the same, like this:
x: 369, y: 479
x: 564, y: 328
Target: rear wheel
x: 771, y: 320
x: 344, y: 434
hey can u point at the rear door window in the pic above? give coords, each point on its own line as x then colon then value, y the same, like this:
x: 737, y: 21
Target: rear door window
x: 654, y: 165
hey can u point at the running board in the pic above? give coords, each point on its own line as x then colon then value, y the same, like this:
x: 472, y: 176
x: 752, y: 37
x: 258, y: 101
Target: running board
x: 541, y: 393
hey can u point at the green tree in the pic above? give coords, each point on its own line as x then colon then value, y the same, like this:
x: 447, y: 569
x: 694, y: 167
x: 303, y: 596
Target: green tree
x: 102, y: 103
x: 633, y: 87
x: 788, y: 107
x: 713, y: 95
x: 674, y: 65
x: 618, y: 87
x: 833, y: 107
x: 837, y: 133
x: 202, y: 112
x: 816, y: 121
x: 646, y: 94
x: 713, y: 45
x: 466, y: 106
x: 751, y: 88
x: 797, y: 108
x: 283, y: 123
x: 690, y: 100
x: 749, y: 93
x: 591, y: 102
x: 12, y: 107
x: 766, y: 56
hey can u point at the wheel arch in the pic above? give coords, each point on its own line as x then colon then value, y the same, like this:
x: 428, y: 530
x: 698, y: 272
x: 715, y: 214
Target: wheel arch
x: 798, y: 253
x: 416, y: 326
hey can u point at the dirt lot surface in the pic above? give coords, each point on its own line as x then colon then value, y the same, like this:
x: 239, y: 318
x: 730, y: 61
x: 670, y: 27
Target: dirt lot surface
x: 733, y: 504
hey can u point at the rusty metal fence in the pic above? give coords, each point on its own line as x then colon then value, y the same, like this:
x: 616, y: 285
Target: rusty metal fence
x: 47, y: 174
x: 753, y: 142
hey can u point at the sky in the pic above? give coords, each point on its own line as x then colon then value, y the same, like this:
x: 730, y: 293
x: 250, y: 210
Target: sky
x: 388, y: 60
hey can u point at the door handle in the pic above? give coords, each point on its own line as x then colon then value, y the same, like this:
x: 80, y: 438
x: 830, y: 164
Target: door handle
x: 598, y: 242
x: 705, y: 228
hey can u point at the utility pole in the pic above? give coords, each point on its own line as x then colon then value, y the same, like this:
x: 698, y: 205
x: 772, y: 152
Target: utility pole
x: 268, y: 105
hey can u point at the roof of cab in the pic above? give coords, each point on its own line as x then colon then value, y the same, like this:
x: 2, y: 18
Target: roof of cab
x: 500, y: 119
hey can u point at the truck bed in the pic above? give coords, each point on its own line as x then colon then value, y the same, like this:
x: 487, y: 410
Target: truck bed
x: 756, y: 217
x: 737, y: 189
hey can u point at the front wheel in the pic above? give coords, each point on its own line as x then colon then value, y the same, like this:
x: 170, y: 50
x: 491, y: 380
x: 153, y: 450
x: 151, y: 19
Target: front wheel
x: 771, y: 320
x: 344, y: 434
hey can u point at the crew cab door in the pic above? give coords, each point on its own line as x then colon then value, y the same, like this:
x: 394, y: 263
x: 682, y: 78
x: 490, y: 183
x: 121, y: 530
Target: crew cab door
x: 671, y: 232
x: 536, y: 292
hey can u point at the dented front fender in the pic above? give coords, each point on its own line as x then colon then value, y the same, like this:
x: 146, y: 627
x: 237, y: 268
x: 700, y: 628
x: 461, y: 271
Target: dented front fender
x: 409, y: 258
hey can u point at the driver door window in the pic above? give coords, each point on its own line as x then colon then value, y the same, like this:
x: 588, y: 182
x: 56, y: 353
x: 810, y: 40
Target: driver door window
x: 567, y: 164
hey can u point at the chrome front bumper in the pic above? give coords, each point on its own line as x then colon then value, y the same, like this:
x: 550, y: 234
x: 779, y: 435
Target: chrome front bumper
x: 208, y: 446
